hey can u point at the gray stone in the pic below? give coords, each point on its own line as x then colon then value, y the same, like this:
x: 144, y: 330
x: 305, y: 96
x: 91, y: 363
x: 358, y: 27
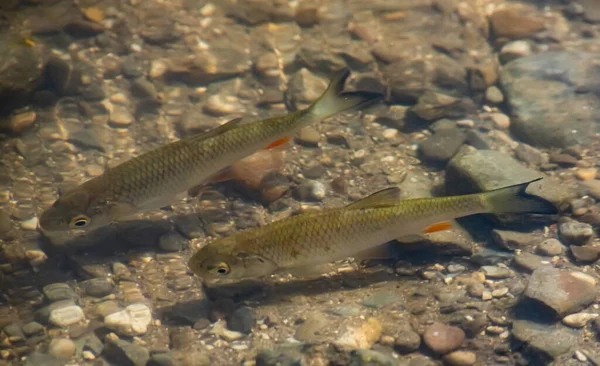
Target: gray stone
x: 512, y: 240
x: 380, y: 299
x: 304, y: 88
x: 59, y: 291
x: 242, y: 320
x: 126, y: 353
x: 550, y: 247
x: 38, y: 358
x: 552, y: 97
x: 485, y: 170
x: 14, y: 332
x: 586, y: 253
x: 310, y: 330
x: 5, y: 223
x: 407, y: 340
x: 529, y: 262
x: 432, y: 106
x: 563, y: 291
x: 367, y: 357
x: 98, y: 287
x: 61, y: 348
x: 591, y: 10
x: 161, y: 359
x: 575, y: 233
x: 172, y: 242
x: 286, y: 355
x: 552, y: 340
x: 529, y: 154
x: 310, y: 190
x: 496, y: 272
x: 493, y: 95
x: 32, y: 328
x: 442, y: 146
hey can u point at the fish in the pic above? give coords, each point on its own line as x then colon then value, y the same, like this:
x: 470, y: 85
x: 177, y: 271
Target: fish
x: 316, y: 238
x: 159, y: 177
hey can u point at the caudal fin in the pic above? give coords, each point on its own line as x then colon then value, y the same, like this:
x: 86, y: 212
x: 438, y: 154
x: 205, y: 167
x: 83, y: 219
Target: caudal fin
x: 513, y: 199
x: 334, y: 100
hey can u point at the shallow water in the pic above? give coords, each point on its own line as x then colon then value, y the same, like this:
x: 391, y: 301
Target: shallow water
x: 478, y: 95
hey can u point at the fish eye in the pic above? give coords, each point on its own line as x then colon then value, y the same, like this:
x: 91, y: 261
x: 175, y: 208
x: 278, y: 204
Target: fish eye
x: 221, y: 268
x: 80, y: 221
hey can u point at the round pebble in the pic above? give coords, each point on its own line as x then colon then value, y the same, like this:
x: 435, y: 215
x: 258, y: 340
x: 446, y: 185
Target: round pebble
x: 61, y: 348
x: 65, y: 316
x: 308, y: 136
x: 586, y: 173
x: 460, y: 358
x: 500, y: 120
x: 550, y: 247
x: 493, y: 95
x: 578, y: 320
x: 442, y: 338
x: 98, y: 287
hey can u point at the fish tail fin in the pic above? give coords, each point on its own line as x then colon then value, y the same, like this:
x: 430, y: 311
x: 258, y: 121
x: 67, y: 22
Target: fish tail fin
x: 334, y: 100
x: 513, y: 199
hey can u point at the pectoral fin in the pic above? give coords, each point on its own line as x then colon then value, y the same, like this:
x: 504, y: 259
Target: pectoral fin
x: 279, y: 144
x: 440, y: 226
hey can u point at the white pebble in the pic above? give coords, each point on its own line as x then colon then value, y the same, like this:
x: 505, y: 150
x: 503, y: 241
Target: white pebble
x: 578, y: 320
x: 133, y: 320
x: 69, y: 315
x: 157, y: 69
x: 30, y: 224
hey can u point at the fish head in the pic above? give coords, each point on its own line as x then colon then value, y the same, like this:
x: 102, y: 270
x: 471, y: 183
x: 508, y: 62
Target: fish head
x: 75, y: 210
x: 220, y: 261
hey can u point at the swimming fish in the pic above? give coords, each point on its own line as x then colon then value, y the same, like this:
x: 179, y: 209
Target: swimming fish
x: 317, y: 238
x: 157, y: 178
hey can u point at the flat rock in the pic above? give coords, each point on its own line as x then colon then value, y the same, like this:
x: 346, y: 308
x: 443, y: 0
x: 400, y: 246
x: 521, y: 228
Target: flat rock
x: 529, y: 262
x: 575, y: 233
x: 441, y: 146
x: 514, y: 23
x: 513, y: 239
x: 552, y: 340
x: 485, y: 170
x: 551, y: 97
x: 126, y: 353
x: 432, y: 106
x: 565, y: 292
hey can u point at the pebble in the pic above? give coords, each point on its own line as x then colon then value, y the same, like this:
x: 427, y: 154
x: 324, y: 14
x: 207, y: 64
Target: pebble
x: 21, y: 121
x: 514, y: 50
x: 442, y: 338
x: 106, y: 307
x: 220, y: 105
x: 529, y: 262
x: 578, y: 320
x: 460, y: 358
x: 576, y: 233
x: 120, y: 117
x: 550, y: 247
x: 586, y: 174
x: 308, y: 136
x: 30, y: 224
x: 514, y: 23
x: 309, y: 330
x: 442, y: 146
x: 98, y: 287
x: 530, y: 154
x: 171, y: 242
x: 32, y: 328
x: 496, y: 272
x: 242, y: 320
x: 59, y: 291
x: 365, y: 357
x: 592, y: 186
x: 157, y: 69
x: 407, y: 340
x: 565, y: 292
x: 311, y: 190
x: 219, y: 329
x: 133, y: 320
x: 586, y: 253
x: 122, y: 352
x: 500, y: 120
x: 500, y: 292
x: 61, y: 347
x: 493, y: 95
x: 548, y: 339
x: 513, y: 239
x: 65, y: 316
x: 362, y: 337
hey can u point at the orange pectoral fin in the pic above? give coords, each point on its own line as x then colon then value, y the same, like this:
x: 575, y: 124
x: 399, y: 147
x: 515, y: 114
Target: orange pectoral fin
x: 278, y: 143
x: 440, y: 226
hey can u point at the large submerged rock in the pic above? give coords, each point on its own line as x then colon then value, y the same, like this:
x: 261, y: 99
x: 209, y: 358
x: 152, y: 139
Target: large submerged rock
x: 554, y: 97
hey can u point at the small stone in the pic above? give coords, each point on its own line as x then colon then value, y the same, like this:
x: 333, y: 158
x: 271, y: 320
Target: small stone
x: 576, y: 233
x: 65, y: 316
x: 222, y: 105
x: 565, y: 160
x: 171, y: 242
x: 59, y: 291
x: 61, y: 348
x: 18, y: 123
x: 362, y: 337
x: 586, y: 174
x: 106, y: 307
x: 311, y: 190
x: 157, y: 69
x: 30, y: 224
x: 496, y: 272
x: 500, y: 120
x: 592, y: 187
x: 365, y: 357
x: 529, y: 262
x: 529, y: 154
x: 476, y: 289
x: 126, y: 353
x: 407, y: 340
x: 513, y: 239
x: 94, y: 14
x: 134, y: 320
x: 308, y: 136
x: 500, y: 292
x: 514, y: 50
x: 242, y: 320
x: 563, y: 291
x: 442, y: 338
x: 228, y: 335
x: 309, y: 330
x: 586, y: 253
x: 98, y: 287
x: 551, y: 340
x: 304, y: 88
x: 460, y: 358
x: 578, y: 320
x: 314, y: 171
x: 493, y: 95
x: 514, y: 23
x: 120, y: 117
x: 32, y: 328
x: 550, y: 247
x: 161, y: 359
x: 442, y: 146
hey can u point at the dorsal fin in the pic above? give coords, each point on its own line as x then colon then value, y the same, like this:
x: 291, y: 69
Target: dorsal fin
x: 384, y: 198
x: 216, y: 131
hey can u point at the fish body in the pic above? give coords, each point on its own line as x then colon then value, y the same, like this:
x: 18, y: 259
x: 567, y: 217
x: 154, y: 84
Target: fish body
x: 316, y: 238
x: 156, y: 178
